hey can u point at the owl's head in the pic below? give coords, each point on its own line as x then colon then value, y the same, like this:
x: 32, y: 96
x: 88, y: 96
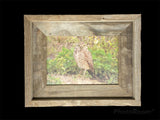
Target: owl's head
x: 84, y: 46
x: 80, y: 46
x: 77, y: 49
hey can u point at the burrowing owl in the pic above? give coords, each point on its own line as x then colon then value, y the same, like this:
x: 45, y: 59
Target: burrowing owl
x: 83, y: 58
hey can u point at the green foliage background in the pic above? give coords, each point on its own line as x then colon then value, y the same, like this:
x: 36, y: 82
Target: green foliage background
x: 104, y: 50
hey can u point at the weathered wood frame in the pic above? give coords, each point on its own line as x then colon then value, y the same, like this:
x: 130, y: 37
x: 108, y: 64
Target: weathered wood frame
x: 126, y: 93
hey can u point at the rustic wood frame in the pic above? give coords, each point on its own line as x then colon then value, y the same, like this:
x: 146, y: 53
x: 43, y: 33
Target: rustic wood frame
x: 126, y: 93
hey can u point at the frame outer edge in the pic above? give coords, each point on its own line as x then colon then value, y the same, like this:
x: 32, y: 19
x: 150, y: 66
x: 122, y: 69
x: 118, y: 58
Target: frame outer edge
x: 28, y: 61
x: 136, y: 71
x: 137, y: 60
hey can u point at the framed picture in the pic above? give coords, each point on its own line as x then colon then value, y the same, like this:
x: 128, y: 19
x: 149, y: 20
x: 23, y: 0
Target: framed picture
x: 82, y: 60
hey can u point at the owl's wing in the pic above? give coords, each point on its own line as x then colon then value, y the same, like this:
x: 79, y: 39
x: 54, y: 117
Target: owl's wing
x: 88, y: 58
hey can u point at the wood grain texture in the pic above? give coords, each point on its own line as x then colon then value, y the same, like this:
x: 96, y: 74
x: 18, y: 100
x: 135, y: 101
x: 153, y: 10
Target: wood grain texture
x: 89, y: 102
x: 137, y: 59
x: 28, y: 61
x: 39, y: 59
x: 35, y: 65
x: 65, y: 28
x: 125, y: 59
x: 83, y: 91
x: 123, y: 17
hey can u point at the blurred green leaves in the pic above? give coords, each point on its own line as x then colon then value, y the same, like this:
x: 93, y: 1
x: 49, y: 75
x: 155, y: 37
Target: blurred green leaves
x: 63, y: 63
x: 105, y: 57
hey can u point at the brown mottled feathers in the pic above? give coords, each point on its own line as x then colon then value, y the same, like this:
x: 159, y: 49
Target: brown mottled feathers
x: 88, y: 58
x: 84, y: 59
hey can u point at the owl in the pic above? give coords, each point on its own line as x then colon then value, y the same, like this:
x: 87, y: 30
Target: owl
x: 84, y: 59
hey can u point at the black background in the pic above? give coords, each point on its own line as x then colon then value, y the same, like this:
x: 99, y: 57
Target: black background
x: 12, y: 44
